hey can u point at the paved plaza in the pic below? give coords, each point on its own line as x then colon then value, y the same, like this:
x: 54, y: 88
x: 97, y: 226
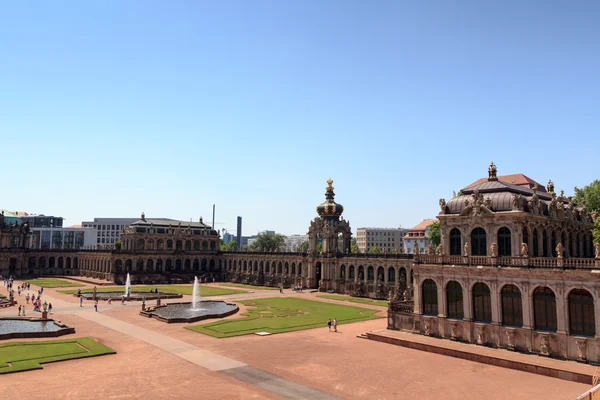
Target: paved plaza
x: 155, y: 360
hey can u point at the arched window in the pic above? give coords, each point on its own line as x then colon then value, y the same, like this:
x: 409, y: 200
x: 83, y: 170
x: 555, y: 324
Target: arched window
x: 525, y: 236
x: 454, y: 298
x: 403, y: 274
x: 430, y: 305
x: 351, y: 272
x: 544, y: 243
x: 361, y: 273
x: 380, y: 273
x: 536, y: 252
x: 370, y: 273
x: 544, y: 309
x: 204, y: 245
x: 512, y: 306
x: 342, y: 271
x: 455, y: 242
x: 553, y: 248
x: 581, y: 313
x: 504, y: 247
x: 169, y: 244
x: 482, y: 303
x: 478, y: 242
x: 392, y: 275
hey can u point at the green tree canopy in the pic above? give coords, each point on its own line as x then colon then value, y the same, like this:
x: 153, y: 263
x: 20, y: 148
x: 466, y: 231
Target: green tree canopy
x: 230, y: 246
x: 303, y: 247
x: 589, y: 195
x: 374, y: 250
x: 434, y: 235
x: 596, y: 230
x: 118, y: 245
x: 267, y: 242
x: 354, y: 247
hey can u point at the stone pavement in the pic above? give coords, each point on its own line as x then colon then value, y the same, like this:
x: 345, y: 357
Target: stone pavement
x: 155, y: 360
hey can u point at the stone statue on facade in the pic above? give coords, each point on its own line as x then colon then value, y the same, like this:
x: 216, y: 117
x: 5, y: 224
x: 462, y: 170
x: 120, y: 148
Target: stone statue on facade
x: 430, y: 250
x: 597, y: 248
x: 406, y: 295
x: 390, y: 296
x: 560, y: 250
x: 493, y: 250
x: 427, y: 327
x: 416, y: 250
x: 440, y: 250
x: 544, y: 345
x: 524, y: 249
x: 480, y: 335
x: 442, y: 206
x: 466, y: 249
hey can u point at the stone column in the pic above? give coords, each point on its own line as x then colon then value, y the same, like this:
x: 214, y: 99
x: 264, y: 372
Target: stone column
x: 441, y: 295
x: 562, y: 323
x: 527, y: 302
x: 495, y: 303
x: 417, y: 303
x: 467, y: 302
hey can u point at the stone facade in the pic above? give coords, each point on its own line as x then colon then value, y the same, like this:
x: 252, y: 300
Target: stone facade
x: 515, y: 269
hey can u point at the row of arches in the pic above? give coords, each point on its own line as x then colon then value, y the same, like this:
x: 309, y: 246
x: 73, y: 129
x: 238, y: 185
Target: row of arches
x: 372, y: 273
x: 53, y: 262
x: 266, y: 267
x: 150, y: 265
x: 580, y: 306
x: 541, y: 242
x: 169, y: 244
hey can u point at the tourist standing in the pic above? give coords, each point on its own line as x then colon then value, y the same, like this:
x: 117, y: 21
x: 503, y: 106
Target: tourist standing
x: 80, y: 301
x: 50, y: 308
x: 96, y: 305
x: 335, y: 324
x: 329, y: 324
x: 19, y: 310
x: 27, y: 298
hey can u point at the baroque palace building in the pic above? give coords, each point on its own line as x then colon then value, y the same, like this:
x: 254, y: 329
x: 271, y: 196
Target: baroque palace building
x: 163, y: 250
x: 516, y: 269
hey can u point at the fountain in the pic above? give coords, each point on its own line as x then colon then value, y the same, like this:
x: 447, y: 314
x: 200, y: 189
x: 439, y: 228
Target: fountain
x: 128, y: 286
x: 32, y: 328
x: 195, y: 295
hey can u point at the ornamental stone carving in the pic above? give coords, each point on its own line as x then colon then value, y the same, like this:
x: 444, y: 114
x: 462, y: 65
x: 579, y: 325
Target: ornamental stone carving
x: 581, y: 349
x: 430, y: 250
x: 466, y: 249
x: 493, y: 250
x: 597, y: 248
x: 544, y: 345
x: 480, y: 334
x: 427, y: 327
x: 453, y: 330
x: 440, y: 250
x: 510, y: 339
x: 524, y: 250
x: 560, y: 250
x: 442, y: 206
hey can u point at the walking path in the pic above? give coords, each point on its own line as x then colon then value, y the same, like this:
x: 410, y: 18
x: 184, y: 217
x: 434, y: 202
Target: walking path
x: 194, y: 354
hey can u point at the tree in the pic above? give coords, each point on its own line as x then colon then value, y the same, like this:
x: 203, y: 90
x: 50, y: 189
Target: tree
x: 354, y: 247
x: 374, y: 250
x: 319, y: 247
x: 267, y: 242
x: 118, y: 245
x: 303, y: 247
x: 588, y: 196
x: 596, y: 230
x: 230, y: 246
x: 434, y: 235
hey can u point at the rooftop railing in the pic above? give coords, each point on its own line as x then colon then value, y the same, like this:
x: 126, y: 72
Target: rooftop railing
x: 521, y: 262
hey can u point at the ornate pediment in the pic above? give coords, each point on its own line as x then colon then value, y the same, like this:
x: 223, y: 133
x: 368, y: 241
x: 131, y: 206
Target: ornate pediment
x: 477, y: 205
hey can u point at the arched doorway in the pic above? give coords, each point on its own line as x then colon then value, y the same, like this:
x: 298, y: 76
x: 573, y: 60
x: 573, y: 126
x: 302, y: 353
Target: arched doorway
x: 318, y: 271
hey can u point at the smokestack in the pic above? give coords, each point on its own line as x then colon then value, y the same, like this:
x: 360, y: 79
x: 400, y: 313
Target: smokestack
x: 213, y: 226
x: 239, y: 233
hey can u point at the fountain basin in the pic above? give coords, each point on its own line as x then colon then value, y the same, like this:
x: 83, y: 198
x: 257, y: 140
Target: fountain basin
x: 11, y: 328
x: 183, y: 312
x: 135, y: 296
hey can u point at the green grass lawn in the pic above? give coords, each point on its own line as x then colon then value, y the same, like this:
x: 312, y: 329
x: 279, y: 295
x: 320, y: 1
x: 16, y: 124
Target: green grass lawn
x: 278, y: 315
x: 244, y: 286
x: 204, y: 290
x: 25, y: 356
x: 381, y: 303
x: 52, y: 283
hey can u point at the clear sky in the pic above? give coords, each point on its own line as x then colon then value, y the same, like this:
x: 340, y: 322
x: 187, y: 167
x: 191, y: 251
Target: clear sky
x: 111, y: 108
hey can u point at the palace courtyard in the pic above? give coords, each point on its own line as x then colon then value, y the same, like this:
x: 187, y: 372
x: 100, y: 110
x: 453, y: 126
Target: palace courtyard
x: 155, y: 360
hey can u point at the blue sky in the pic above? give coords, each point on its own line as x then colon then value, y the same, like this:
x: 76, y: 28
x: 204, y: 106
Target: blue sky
x: 111, y: 108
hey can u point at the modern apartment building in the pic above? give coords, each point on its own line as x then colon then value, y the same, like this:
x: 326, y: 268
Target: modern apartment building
x: 109, y: 229
x: 293, y: 241
x: 72, y: 237
x: 387, y: 239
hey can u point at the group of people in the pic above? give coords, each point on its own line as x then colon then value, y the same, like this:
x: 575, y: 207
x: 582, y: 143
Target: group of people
x: 298, y: 288
x: 333, y: 324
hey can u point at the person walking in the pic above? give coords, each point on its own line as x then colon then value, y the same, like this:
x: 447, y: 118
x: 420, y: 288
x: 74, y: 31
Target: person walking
x: 96, y: 305
x: 335, y: 324
x: 50, y: 308
x: 80, y: 301
x: 19, y: 310
x: 329, y: 324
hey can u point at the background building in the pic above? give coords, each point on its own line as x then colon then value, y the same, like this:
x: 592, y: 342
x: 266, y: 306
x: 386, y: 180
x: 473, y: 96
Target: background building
x: 74, y: 237
x: 389, y: 239
x: 10, y: 218
x: 417, y: 235
x: 293, y: 241
x: 109, y: 229
x: 42, y: 221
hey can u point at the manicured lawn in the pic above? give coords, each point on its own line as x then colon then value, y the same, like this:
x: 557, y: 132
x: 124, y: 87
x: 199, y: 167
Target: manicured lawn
x: 24, y: 356
x: 381, y: 303
x: 52, y: 283
x: 278, y: 315
x: 204, y: 290
x: 244, y: 286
